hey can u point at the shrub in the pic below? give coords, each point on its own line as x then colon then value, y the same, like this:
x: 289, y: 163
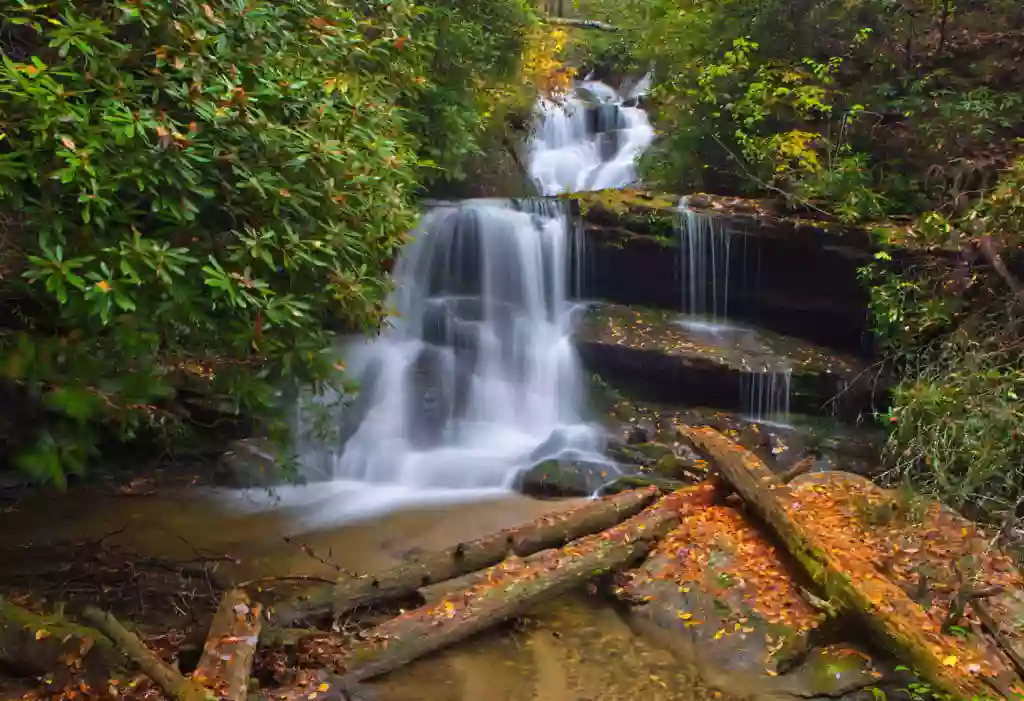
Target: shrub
x: 189, y: 190
x: 956, y: 333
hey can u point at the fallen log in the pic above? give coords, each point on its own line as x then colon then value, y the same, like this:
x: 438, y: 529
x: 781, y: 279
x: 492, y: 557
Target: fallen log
x: 34, y: 644
x: 581, y: 23
x: 174, y: 684
x: 625, y: 482
x: 852, y: 582
x: 405, y: 579
x: 513, y: 586
x: 230, y: 646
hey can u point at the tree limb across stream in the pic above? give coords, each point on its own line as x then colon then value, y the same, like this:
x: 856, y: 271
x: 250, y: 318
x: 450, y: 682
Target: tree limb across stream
x: 405, y: 579
x: 512, y: 587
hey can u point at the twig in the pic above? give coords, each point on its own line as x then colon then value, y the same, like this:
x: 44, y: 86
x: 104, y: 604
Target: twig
x: 284, y: 578
x: 989, y: 249
x: 804, y: 465
x: 333, y: 565
x: 767, y: 186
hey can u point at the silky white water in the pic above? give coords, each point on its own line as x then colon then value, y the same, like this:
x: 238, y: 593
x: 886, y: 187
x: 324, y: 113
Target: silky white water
x: 589, y: 140
x: 474, y: 379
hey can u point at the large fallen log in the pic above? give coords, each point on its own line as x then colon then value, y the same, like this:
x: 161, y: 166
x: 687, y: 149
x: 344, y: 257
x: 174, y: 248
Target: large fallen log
x: 853, y: 583
x: 581, y: 23
x: 34, y: 644
x: 405, y: 579
x: 230, y: 646
x: 515, y: 585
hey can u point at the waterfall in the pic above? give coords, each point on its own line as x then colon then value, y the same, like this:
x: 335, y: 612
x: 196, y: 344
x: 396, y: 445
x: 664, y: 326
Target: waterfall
x: 766, y: 395
x: 590, y: 140
x: 705, y: 244
x: 477, y: 368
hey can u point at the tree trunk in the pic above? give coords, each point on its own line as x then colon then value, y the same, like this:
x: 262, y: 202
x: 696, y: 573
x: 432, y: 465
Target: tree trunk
x: 851, y: 580
x: 166, y: 677
x: 581, y: 23
x: 230, y: 646
x: 513, y: 586
x: 626, y: 482
x: 35, y: 645
x: 405, y: 579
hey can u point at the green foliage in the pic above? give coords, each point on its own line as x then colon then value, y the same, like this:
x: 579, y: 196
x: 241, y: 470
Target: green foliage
x: 865, y: 111
x: 189, y: 190
x: 955, y: 331
x: 858, y: 109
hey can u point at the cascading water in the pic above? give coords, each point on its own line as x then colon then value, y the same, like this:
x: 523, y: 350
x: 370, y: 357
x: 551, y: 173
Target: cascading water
x: 705, y: 245
x: 478, y: 367
x: 590, y: 140
x: 766, y: 395
x: 475, y: 378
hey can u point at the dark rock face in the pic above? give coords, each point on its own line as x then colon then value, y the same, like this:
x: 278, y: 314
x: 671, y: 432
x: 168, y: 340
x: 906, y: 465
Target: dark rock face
x: 650, y: 356
x: 795, y: 278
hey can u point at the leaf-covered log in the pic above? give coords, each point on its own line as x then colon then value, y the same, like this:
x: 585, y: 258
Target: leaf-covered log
x: 230, y: 647
x: 513, y: 586
x: 853, y: 583
x: 404, y: 579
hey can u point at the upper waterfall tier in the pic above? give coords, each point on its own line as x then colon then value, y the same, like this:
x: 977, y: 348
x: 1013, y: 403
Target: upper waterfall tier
x: 590, y: 140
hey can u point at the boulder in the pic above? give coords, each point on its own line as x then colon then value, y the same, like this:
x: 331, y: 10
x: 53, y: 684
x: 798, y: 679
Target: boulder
x: 253, y: 462
x: 565, y: 477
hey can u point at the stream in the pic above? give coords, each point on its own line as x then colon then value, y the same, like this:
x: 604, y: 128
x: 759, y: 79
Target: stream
x: 476, y: 379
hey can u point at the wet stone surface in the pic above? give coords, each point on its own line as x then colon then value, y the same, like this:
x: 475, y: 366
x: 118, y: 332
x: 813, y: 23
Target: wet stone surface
x: 661, y: 356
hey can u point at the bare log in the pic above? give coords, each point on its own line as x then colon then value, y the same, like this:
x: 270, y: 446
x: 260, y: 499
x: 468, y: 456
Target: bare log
x: 405, y: 579
x: 582, y: 23
x: 513, y: 586
x: 166, y: 677
x: 663, y: 484
x: 852, y: 582
x: 34, y: 644
x: 230, y: 647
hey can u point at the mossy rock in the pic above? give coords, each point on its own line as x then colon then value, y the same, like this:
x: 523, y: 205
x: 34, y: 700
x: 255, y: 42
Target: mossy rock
x: 557, y: 477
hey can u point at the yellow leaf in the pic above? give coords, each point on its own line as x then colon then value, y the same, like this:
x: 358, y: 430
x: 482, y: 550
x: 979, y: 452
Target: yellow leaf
x: 42, y: 633
x: 685, y: 615
x: 720, y: 633
x: 324, y: 687
x: 949, y: 661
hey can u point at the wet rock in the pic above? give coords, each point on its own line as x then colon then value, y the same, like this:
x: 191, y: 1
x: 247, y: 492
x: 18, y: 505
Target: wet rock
x: 252, y: 462
x: 632, y: 248
x: 556, y: 443
x: 639, y: 433
x: 718, y: 593
x: 564, y: 477
x: 651, y: 355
